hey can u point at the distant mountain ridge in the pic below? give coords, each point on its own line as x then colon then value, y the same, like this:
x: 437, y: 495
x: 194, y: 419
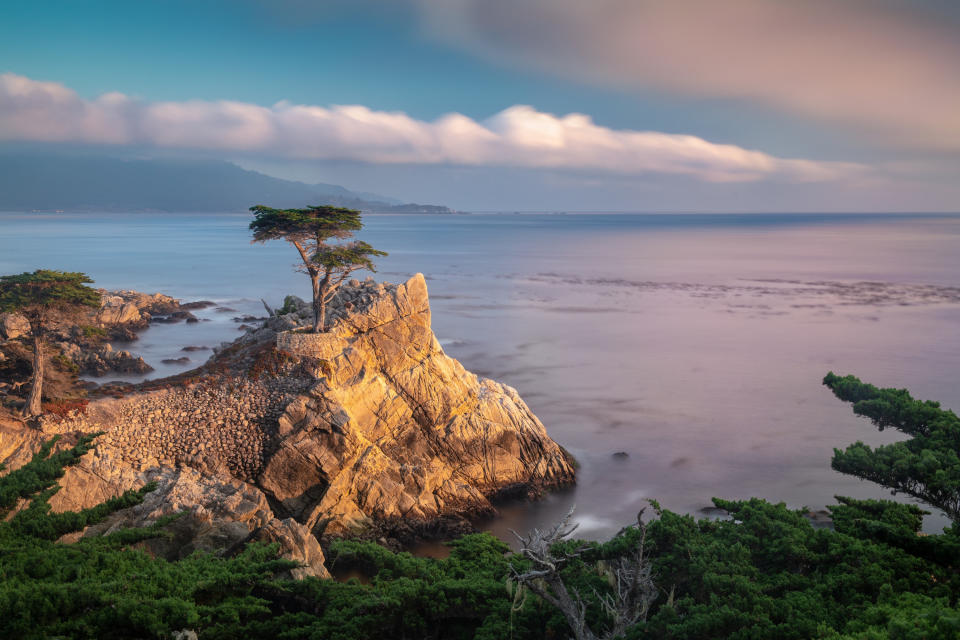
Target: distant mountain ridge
x: 52, y: 182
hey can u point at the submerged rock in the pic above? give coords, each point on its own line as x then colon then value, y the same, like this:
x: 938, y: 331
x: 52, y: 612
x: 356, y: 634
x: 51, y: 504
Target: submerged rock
x: 198, y: 304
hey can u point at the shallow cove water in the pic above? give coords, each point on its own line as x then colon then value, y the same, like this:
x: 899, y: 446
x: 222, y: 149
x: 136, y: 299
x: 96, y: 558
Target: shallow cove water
x: 693, y: 344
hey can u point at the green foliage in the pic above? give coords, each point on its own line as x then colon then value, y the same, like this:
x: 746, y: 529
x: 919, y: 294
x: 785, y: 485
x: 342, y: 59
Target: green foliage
x: 318, y: 222
x: 767, y: 573
x: 408, y: 597
x: 66, y: 364
x: 36, y: 521
x: 289, y: 306
x: 100, y: 587
x: 35, y: 293
x: 927, y: 466
x: 906, y: 616
x: 91, y: 332
x: 355, y: 255
x: 41, y: 473
x: 97, y: 589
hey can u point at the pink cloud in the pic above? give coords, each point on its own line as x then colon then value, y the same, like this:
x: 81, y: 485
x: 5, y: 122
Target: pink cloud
x: 887, y: 71
x: 519, y: 136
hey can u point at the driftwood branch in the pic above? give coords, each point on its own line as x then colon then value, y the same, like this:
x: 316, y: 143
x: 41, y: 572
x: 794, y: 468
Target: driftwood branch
x: 632, y: 588
x: 543, y: 578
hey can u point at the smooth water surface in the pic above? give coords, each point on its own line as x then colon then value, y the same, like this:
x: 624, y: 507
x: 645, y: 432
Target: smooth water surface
x: 695, y: 344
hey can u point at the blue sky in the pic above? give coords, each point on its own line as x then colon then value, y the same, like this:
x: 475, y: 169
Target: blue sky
x: 426, y: 58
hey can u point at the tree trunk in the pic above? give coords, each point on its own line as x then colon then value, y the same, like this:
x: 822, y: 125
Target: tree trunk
x: 320, y: 302
x: 315, y: 281
x: 33, y: 406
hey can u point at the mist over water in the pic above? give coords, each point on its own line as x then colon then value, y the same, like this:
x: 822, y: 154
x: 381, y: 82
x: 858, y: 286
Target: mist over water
x: 695, y: 344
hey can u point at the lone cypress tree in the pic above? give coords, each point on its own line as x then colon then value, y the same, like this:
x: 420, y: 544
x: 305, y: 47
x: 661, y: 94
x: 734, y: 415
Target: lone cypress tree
x: 41, y: 297
x: 311, y: 231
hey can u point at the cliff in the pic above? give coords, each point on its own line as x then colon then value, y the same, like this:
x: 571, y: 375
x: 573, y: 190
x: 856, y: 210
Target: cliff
x: 369, y: 429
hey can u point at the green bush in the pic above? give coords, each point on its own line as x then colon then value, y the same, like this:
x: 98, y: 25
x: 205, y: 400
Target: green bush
x: 94, y: 332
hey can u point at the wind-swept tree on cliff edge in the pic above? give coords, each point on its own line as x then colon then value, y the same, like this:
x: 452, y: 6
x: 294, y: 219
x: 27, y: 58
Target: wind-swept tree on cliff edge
x: 311, y: 231
x: 925, y: 466
x: 41, y: 297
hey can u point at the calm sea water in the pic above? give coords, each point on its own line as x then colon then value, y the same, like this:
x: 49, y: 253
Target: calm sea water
x: 695, y: 344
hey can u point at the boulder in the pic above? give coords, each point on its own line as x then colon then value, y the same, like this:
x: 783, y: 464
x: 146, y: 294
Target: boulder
x: 218, y: 514
x: 114, y: 310
x: 297, y: 544
x: 103, y: 359
x: 13, y: 326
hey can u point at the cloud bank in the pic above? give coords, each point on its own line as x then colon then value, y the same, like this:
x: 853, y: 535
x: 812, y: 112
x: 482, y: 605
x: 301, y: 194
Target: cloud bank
x: 519, y: 136
x: 888, y: 68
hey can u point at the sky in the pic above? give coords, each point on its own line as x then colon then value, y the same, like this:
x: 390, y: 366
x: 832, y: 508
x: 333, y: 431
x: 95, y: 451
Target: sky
x: 631, y: 105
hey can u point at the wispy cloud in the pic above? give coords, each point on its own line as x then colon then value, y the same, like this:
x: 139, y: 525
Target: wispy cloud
x: 519, y: 136
x: 886, y: 68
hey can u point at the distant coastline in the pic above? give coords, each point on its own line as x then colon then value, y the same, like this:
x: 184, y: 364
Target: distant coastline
x: 428, y: 209
x: 36, y: 182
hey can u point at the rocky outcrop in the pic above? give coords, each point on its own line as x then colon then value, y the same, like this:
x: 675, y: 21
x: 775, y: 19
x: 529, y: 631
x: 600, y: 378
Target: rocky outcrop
x: 117, y: 311
x: 298, y: 544
x: 13, y: 326
x: 395, y: 428
x: 85, y: 338
x: 102, y: 359
x: 135, y: 308
x: 367, y: 429
x: 216, y: 514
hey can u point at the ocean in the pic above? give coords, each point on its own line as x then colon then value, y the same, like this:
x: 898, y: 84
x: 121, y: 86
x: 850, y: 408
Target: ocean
x: 691, y: 345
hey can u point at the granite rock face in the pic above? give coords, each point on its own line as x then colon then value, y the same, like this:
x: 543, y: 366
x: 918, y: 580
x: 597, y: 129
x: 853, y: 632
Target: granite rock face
x: 365, y: 429
x: 218, y: 513
x: 114, y: 310
x: 134, y: 308
x: 395, y: 428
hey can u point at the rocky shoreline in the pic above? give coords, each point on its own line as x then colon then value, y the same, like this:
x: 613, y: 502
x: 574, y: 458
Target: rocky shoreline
x: 379, y: 435
x: 83, y: 345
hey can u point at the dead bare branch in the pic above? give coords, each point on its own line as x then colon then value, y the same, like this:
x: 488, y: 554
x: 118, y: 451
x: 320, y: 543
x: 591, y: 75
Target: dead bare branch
x: 632, y: 587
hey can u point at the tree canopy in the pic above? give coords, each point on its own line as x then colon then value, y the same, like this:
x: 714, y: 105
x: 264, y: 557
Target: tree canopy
x: 926, y: 466
x: 35, y: 294
x: 310, y: 230
x: 317, y: 222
